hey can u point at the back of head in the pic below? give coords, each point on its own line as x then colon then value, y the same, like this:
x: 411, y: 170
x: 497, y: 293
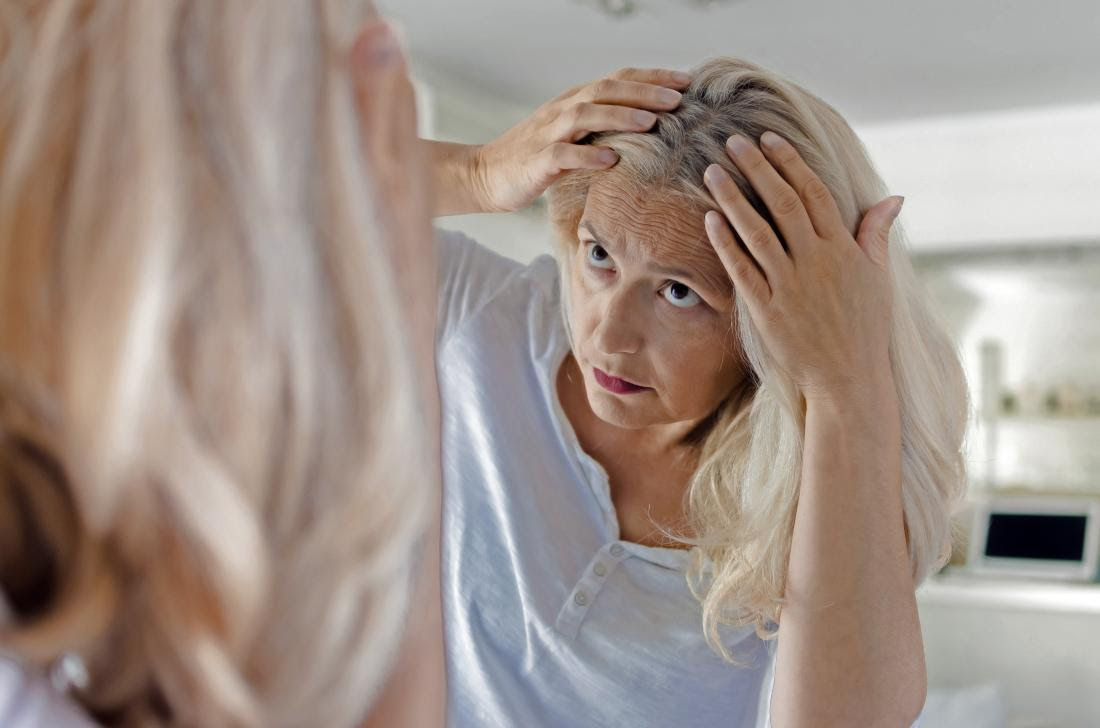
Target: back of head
x: 203, y: 371
x: 742, y: 499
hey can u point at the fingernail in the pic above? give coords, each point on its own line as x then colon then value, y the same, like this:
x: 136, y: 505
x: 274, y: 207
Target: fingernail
x: 377, y: 46
x: 644, y: 118
x: 669, y: 96
x: 713, y: 173
x: 608, y: 156
x: 737, y: 144
x: 898, y: 202
x: 681, y: 77
x: 712, y: 219
x: 771, y: 140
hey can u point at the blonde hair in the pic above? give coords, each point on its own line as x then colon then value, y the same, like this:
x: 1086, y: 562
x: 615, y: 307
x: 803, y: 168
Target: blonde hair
x: 203, y: 370
x: 742, y: 499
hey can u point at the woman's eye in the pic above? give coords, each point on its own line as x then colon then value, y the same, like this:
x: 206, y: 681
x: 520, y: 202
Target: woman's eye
x: 598, y: 257
x: 680, y: 295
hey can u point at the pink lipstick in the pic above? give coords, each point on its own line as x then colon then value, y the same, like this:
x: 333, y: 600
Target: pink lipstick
x: 616, y: 385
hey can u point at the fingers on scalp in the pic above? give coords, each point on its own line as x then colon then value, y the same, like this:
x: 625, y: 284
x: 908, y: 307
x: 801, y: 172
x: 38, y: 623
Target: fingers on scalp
x: 561, y: 156
x: 588, y: 117
x: 658, y: 76
x: 634, y: 93
x: 597, y: 157
x: 557, y: 156
x: 811, y: 190
x: 743, y: 271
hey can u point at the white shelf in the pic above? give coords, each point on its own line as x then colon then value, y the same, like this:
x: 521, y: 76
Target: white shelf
x: 961, y: 588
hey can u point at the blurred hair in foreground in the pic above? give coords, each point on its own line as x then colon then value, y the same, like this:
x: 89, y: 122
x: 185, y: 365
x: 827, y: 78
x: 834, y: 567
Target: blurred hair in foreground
x: 203, y: 367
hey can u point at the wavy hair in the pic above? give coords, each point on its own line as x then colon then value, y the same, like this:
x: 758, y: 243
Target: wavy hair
x: 742, y: 498
x: 203, y: 374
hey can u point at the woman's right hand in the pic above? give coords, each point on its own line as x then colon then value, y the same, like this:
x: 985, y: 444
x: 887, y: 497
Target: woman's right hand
x: 510, y: 172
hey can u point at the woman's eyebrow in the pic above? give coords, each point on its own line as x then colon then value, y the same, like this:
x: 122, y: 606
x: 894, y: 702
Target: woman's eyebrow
x: 592, y: 231
x: 715, y: 283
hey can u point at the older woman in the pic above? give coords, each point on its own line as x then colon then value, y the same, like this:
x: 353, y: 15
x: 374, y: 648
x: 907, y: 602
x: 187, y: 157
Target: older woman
x: 724, y: 414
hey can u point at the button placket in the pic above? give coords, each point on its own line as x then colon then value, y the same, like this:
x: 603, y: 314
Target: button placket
x: 573, y: 612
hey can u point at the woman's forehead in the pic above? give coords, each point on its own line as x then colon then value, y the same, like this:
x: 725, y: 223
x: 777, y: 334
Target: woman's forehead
x: 660, y: 228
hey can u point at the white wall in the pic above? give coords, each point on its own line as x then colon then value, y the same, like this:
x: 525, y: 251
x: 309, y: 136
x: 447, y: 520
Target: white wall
x: 992, y: 179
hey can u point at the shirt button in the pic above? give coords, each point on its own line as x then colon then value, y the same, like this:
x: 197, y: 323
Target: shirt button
x: 617, y: 550
x: 581, y: 599
x: 600, y: 570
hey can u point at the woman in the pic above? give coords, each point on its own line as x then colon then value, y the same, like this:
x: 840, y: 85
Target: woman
x: 726, y: 407
x: 205, y: 370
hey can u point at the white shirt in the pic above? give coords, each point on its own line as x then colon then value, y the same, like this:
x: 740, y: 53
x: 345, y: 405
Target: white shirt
x: 28, y: 699
x: 550, y: 619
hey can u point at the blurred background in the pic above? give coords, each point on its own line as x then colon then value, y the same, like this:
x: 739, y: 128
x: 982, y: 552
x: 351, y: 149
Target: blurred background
x: 985, y: 115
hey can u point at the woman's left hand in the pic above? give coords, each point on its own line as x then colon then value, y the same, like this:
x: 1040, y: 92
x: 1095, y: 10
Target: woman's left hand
x: 823, y: 305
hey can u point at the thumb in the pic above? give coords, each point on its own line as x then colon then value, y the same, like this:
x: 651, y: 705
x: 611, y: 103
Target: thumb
x: 874, y: 229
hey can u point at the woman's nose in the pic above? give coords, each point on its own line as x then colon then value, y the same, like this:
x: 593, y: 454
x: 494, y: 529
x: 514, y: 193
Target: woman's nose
x: 617, y: 330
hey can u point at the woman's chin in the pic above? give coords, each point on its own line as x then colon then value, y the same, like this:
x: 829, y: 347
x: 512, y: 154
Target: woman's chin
x: 612, y: 409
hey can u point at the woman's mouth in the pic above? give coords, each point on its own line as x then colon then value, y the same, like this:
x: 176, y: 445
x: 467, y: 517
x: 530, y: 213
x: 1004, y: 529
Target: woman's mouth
x: 616, y: 385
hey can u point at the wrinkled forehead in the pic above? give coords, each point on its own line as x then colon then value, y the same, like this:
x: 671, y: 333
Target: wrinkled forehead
x: 658, y: 226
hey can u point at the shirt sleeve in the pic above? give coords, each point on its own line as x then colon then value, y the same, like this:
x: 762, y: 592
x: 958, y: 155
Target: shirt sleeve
x: 469, y: 276
x: 29, y: 701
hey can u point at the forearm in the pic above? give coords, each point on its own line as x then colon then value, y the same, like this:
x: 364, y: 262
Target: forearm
x: 850, y: 649
x: 454, y: 168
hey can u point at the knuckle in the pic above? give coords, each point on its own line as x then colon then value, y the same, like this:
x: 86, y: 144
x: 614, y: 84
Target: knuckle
x: 815, y: 191
x: 602, y: 88
x: 787, y: 203
x: 624, y: 73
x: 742, y: 269
x: 555, y: 154
x: 758, y: 237
x: 577, y: 112
x: 755, y: 163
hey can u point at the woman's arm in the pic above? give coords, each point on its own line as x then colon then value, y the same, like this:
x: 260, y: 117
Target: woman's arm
x: 454, y: 177
x: 850, y: 650
x: 510, y: 172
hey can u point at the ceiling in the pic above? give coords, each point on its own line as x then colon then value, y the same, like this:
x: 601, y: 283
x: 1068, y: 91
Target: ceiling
x: 875, y: 60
